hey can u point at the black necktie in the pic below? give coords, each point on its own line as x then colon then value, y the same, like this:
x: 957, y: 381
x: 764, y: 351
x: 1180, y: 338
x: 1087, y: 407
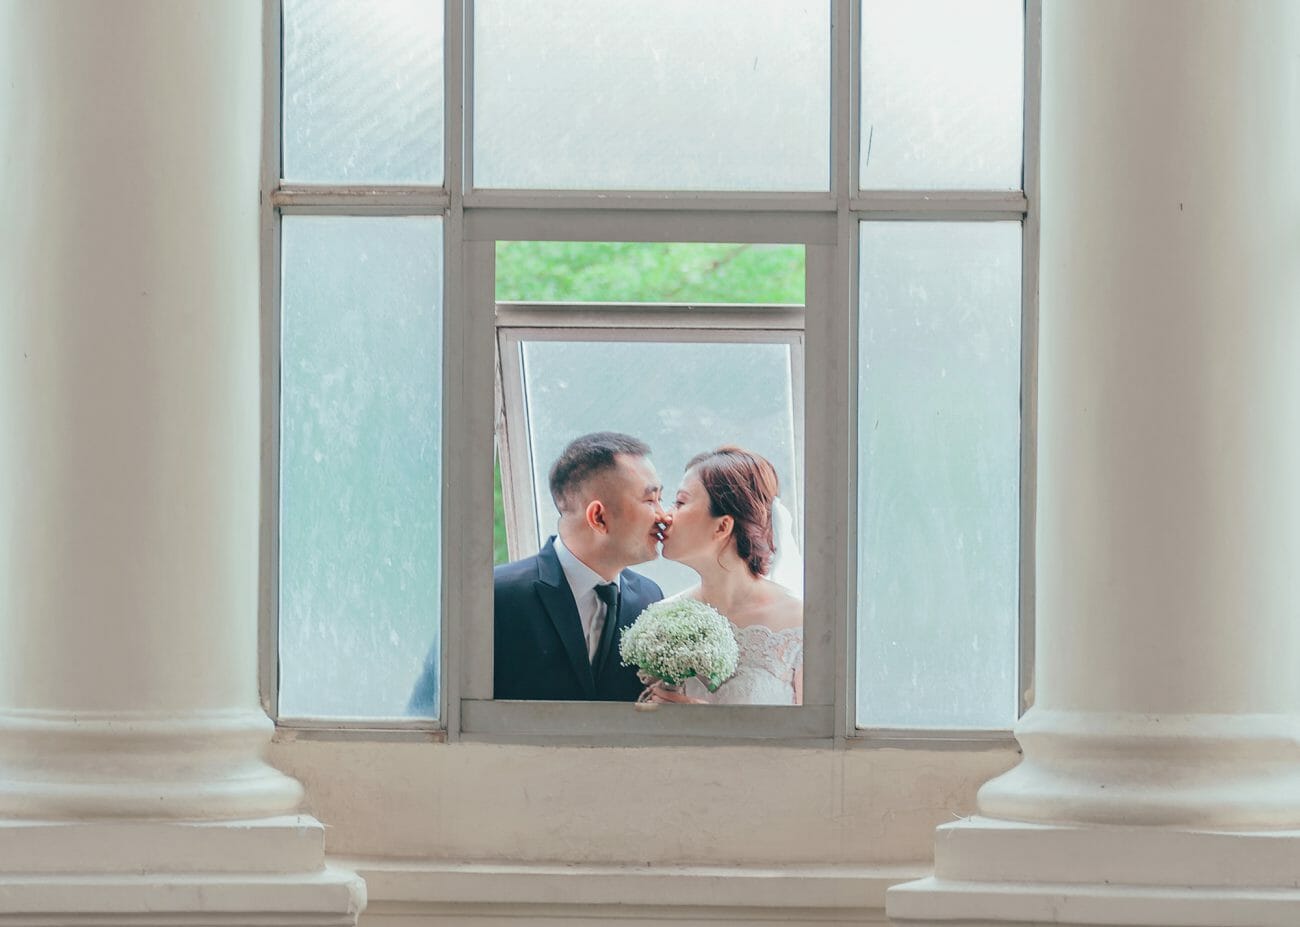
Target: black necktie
x: 607, y: 593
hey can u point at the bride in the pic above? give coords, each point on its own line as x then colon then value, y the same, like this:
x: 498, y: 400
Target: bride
x: 722, y: 528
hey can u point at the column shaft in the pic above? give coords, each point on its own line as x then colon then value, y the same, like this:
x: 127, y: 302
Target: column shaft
x: 129, y: 406
x: 1169, y: 510
x: 131, y: 377
x: 1161, y: 775
x: 132, y: 785
x: 1168, y: 438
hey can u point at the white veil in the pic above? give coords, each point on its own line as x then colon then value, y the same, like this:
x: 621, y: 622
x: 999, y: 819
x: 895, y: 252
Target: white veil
x: 787, y: 564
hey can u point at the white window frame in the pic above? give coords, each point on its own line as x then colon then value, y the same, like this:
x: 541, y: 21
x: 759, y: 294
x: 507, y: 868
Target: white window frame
x: 481, y: 717
x: 473, y: 221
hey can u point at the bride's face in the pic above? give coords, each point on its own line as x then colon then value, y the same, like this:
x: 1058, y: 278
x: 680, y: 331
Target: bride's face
x: 694, y: 531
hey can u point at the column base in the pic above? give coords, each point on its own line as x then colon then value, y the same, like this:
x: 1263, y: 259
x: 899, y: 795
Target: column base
x: 990, y: 872
x: 262, y: 873
x: 134, y: 765
x: 1225, y: 772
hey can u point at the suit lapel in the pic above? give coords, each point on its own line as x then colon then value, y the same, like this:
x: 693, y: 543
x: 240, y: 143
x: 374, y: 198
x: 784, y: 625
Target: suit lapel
x: 557, y: 600
x: 634, y: 597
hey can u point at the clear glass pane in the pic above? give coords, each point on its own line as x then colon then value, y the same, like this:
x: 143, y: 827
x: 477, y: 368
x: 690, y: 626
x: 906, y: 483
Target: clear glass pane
x: 938, y: 474
x: 675, y: 94
x: 363, y: 91
x: 942, y: 94
x: 684, y: 399
x: 360, y: 465
x: 616, y: 271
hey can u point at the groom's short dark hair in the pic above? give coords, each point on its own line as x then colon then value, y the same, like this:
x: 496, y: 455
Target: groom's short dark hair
x: 588, y: 456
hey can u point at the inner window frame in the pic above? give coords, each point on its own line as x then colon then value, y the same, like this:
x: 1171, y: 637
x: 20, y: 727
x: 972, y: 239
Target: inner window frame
x: 481, y: 718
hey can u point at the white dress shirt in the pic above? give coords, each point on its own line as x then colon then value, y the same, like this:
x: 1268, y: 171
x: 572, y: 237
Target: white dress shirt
x: 583, y: 581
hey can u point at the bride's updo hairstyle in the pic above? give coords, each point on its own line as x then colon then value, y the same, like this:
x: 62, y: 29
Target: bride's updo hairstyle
x: 743, y: 485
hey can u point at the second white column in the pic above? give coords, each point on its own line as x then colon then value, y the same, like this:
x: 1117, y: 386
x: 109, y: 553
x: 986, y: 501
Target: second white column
x: 1161, y: 771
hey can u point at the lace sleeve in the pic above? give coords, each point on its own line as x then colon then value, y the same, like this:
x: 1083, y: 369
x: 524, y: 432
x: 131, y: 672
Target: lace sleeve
x: 766, y: 669
x: 791, y: 651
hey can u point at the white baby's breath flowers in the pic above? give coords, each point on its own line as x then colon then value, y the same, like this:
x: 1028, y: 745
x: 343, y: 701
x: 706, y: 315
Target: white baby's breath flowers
x: 676, y: 639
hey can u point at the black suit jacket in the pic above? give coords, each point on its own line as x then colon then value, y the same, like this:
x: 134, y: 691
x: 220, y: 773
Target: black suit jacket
x: 539, y: 651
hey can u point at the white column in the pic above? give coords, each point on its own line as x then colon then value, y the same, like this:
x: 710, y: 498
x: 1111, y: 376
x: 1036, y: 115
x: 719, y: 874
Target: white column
x: 1161, y: 776
x: 130, y: 730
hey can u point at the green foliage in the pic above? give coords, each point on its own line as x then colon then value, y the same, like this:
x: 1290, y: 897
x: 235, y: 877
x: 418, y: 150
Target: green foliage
x: 499, y: 552
x: 565, y: 271
x: 549, y: 271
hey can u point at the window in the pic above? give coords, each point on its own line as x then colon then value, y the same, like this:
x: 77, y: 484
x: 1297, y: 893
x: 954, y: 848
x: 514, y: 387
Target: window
x: 627, y: 95
x: 458, y: 192
x: 359, y: 486
x: 938, y: 462
x: 541, y: 350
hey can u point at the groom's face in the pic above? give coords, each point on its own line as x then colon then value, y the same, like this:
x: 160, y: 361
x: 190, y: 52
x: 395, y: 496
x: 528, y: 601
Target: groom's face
x: 635, y: 510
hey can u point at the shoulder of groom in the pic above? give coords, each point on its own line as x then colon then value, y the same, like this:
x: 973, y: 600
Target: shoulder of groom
x: 515, y: 571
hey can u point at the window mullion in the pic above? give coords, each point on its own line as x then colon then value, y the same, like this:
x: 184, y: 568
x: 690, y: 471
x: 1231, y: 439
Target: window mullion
x: 1029, y: 351
x: 269, y: 546
x: 666, y: 318
x: 838, y: 386
x: 931, y: 205
x: 360, y: 201
x: 471, y: 372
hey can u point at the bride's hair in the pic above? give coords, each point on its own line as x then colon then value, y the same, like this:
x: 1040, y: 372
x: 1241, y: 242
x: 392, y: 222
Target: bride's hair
x: 741, y: 484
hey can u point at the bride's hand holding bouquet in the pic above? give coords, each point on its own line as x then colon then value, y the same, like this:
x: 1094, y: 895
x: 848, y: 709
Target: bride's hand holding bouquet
x: 673, y: 640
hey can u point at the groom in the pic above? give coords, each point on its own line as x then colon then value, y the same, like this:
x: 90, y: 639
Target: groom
x: 558, y: 615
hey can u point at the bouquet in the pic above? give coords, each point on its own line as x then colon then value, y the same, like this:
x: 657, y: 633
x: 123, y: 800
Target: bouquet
x: 676, y: 639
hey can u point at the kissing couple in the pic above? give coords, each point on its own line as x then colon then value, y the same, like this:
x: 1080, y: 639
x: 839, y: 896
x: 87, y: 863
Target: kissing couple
x: 558, y: 614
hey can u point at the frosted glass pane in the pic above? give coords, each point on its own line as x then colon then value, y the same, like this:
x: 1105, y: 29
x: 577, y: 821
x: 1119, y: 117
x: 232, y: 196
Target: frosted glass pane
x: 685, y: 398
x: 619, y: 271
x: 675, y: 94
x: 938, y: 474
x: 360, y: 444
x: 942, y: 94
x: 363, y: 91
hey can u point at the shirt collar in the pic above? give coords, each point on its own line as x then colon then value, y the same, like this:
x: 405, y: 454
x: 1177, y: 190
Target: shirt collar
x: 579, y: 575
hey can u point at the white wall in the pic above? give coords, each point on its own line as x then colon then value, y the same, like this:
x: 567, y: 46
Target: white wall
x: 839, y: 822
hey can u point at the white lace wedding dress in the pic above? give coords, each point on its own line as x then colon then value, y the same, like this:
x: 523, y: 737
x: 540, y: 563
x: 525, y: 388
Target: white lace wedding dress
x: 765, y: 672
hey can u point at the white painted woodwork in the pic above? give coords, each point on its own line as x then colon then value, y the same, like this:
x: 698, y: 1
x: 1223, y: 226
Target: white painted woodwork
x: 632, y: 806
x: 1161, y: 778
